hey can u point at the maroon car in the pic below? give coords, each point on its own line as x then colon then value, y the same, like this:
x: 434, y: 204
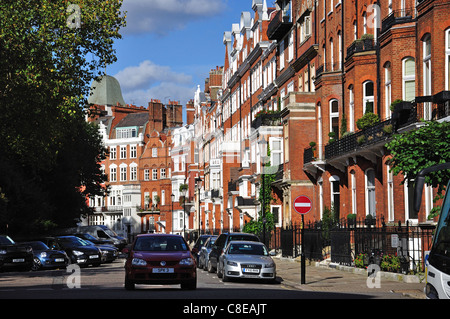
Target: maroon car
x: 160, y: 259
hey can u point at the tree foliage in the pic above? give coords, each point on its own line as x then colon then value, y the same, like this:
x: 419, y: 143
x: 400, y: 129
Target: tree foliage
x: 268, y: 175
x: 49, y: 155
x: 418, y: 149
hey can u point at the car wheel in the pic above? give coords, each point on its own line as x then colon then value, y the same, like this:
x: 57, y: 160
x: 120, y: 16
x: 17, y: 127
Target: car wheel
x: 225, y: 278
x: 219, y: 271
x: 210, y: 267
x: 36, y: 264
x: 192, y: 285
x: 129, y: 285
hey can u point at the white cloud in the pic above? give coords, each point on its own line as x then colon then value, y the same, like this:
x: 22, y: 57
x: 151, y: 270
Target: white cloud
x: 164, y: 91
x: 162, y: 16
x: 148, y: 81
x: 147, y: 73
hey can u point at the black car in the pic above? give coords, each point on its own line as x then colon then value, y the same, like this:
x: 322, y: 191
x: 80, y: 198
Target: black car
x: 109, y: 253
x: 79, y: 251
x: 96, y: 241
x: 221, y: 243
x: 13, y: 256
x: 199, y: 244
x: 44, y: 257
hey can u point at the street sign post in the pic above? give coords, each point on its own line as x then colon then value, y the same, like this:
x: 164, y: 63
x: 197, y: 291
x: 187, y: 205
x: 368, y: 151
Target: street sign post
x: 303, y: 205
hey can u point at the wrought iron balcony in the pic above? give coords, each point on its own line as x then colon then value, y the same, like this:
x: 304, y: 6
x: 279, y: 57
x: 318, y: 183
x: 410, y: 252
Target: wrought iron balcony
x: 372, y: 136
x: 360, y: 45
x: 266, y: 119
x: 397, y: 17
x: 279, y: 26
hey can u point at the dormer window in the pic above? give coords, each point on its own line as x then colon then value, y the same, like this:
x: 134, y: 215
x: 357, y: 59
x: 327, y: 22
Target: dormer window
x: 126, y: 132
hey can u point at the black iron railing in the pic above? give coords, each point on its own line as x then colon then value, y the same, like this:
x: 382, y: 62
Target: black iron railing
x: 360, y: 45
x: 397, y: 17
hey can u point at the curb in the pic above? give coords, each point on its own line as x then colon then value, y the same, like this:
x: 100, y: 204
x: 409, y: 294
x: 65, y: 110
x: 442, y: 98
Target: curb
x: 383, y: 274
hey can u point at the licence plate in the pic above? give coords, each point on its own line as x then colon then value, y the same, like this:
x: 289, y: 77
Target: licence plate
x: 250, y: 270
x: 18, y: 260
x: 162, y: 270
x: 93, y: 256
x: 59, y: 260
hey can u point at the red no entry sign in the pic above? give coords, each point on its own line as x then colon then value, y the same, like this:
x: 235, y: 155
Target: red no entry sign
x: 302, y: 204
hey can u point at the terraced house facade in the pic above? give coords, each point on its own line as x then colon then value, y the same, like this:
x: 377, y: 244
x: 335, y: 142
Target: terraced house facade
x: 303, y: 78
x: 309, y: 87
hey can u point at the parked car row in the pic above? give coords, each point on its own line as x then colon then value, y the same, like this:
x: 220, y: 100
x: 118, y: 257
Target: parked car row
x: 14, y: 256
x: 55, y: 252
x: 235, y: 255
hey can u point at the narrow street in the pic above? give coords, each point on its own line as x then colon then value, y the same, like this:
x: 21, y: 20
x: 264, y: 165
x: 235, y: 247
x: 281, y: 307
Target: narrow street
x: 106, y: 282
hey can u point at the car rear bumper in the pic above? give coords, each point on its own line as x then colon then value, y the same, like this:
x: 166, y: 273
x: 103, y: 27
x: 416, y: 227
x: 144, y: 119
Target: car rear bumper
x: 146, y: 276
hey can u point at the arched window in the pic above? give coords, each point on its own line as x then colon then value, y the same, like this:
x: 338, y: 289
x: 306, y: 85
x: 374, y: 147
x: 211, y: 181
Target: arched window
x: 387, y: 89
x: 370, y: 192
x: 353, y: 189
x: 447, y: 59
x: 409, y: 79
x: 351, y: 120
x: 427, y: 75
x: 335, y: 193
x: 368, y: 97
x: 334, y: 117
x: 319, y: 129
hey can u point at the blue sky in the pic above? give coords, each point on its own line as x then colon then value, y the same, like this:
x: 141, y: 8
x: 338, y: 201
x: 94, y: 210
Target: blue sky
x: 169, y: 46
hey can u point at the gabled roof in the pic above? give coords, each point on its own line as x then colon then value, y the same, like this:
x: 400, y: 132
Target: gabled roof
x: 134, y: 119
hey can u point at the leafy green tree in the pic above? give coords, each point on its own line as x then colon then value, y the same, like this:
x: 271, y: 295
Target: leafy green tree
x: 255, y: 226
x: 50, y: 51
x: 418, y: 149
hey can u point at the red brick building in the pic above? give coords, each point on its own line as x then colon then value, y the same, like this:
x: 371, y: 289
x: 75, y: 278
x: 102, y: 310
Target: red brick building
x: 139, y: 165
x: 305, y: 73
x: 301, y: 78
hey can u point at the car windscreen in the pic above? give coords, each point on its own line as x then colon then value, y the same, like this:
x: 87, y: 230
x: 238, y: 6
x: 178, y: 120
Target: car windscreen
x: 243, y: 237
x: 247, y: 249
x: 36, y: 245
x: 72, y: 242
x: 5, y: 240
x: 160, y: 243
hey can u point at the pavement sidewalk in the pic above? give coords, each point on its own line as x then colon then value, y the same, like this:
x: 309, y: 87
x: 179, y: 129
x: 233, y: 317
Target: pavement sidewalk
x: 328, y: 277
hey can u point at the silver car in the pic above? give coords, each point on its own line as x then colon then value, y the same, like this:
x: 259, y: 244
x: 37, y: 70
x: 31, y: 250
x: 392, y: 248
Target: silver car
x: 203, y: 255
x: 245, y: 259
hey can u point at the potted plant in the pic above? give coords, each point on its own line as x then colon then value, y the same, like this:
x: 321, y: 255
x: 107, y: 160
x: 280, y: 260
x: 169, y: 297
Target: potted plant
x: 370, y: 220
x: 369, y: 119
x: 367, y: 39
x: 361, y: 139
x: 332, y: 136
x: 351, y: 219
x: 387, y: 129
x: 313, y: 148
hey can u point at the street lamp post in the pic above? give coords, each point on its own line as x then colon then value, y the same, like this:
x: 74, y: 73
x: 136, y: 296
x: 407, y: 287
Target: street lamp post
x: 198, y: 181
x: 172, y: 196
x: 263, y: 152
x: 184, y: 191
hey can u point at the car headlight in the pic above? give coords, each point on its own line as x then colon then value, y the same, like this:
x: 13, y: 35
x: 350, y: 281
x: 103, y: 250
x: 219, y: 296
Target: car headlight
x: 138, y: 262
x: 269, y: 265
x: 187, y: 262
x: 43, y: 254
x: 232, y: 263
x: 2, y: 251
x: 77, y: 253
